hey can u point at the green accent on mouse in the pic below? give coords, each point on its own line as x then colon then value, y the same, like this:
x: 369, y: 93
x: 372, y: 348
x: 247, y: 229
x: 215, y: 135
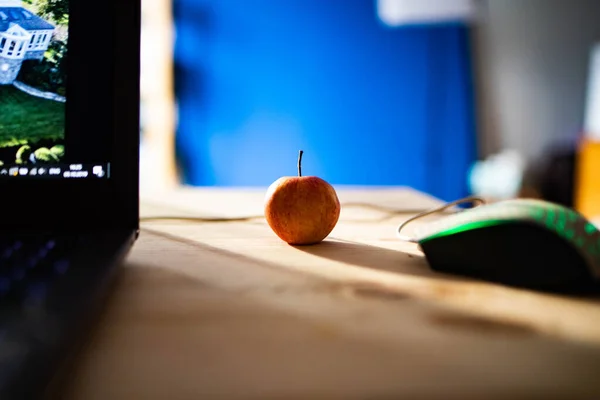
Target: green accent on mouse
x: 559, y: 227
x: 465, y: 227
x: 555, y: 219
x: 590, y: 228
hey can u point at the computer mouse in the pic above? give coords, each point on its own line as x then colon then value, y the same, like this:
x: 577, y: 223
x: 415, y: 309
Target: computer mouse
x: 522, y: 242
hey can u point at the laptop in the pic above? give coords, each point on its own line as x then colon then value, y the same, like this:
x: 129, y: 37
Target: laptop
x: 69, y: 145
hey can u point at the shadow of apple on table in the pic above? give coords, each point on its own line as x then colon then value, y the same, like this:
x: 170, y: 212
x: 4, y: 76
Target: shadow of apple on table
x: 373, y: 257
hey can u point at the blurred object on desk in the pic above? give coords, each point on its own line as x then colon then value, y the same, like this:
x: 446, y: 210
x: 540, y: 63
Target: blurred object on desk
x: 498, y: 177
x: 409, y: 12
x: 157, y: 150
x: 552, y: 176
x: 507, y: 175
x: 588, y: 167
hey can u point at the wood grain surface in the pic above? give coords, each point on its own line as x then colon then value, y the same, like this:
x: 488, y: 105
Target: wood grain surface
x: 225, y: 310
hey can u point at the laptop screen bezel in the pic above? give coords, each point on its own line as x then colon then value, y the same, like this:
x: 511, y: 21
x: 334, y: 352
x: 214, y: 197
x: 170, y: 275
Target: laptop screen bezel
x: 90, y: 205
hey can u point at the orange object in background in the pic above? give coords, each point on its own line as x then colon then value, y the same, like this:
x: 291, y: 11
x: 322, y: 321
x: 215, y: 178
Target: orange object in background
x: 587, y: 191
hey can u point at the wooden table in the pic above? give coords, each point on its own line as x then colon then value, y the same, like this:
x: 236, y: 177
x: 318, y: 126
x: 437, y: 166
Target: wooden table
x: 225, y: 310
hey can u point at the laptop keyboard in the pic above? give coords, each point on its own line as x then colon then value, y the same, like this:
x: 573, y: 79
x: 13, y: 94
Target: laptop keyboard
x: 30, y: 266
x: 49, y: 288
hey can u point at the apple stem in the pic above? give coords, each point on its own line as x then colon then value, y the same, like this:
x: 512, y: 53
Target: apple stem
x: 300, y: 163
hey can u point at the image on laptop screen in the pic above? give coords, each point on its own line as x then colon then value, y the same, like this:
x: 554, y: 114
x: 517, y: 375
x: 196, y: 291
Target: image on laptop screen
x: 34, y: 39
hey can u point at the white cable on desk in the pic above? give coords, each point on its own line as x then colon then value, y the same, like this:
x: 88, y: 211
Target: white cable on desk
x: 389, y: 211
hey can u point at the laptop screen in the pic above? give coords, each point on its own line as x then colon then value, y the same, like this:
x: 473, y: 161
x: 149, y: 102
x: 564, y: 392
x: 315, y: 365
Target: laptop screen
x: 34, y: 49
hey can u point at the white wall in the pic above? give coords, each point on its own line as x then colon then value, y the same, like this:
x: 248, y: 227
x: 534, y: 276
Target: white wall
x: 592, y: 111
x: 532, y: 60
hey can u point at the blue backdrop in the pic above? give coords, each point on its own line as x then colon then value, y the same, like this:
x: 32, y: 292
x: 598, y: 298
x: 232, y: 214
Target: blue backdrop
x: 257, y: 80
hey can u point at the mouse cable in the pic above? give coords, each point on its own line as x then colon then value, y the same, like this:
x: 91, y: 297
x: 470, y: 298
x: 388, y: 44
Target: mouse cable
x: 471, y: 199
x: 391, y: 212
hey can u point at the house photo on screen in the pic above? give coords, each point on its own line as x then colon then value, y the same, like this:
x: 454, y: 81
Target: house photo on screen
x: 33, y: 69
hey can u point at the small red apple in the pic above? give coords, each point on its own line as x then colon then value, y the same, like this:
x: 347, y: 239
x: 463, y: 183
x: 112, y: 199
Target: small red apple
x: 300, y: 209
